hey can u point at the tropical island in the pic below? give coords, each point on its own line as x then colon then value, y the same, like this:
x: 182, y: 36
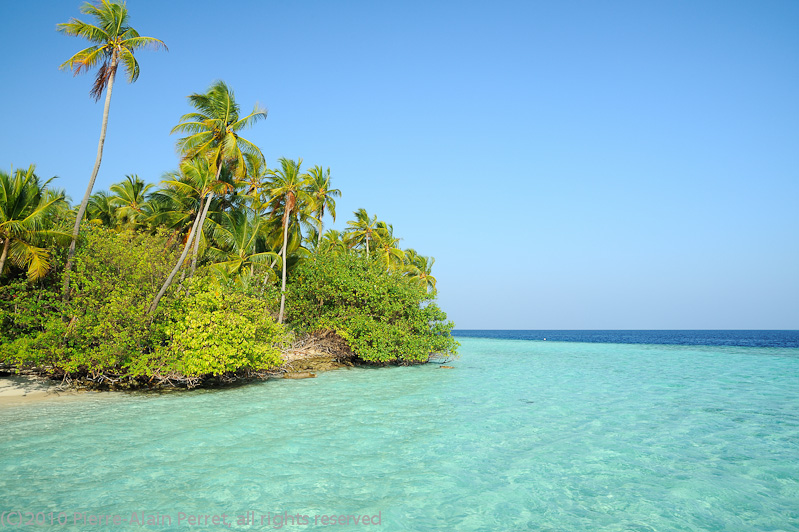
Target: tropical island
x: 215, y: 274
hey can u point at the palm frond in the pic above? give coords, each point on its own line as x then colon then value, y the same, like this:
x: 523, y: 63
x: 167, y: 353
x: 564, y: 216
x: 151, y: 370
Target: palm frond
x: 131, y: 65
x: 78, y: 28
x: 257, y: 114
x: 85, y: 59
x: 36, y: 259
x: 104, y: 74
x: 132, y: 41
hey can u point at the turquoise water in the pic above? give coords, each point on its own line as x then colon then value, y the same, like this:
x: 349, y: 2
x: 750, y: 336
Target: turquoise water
x: 521, y: 435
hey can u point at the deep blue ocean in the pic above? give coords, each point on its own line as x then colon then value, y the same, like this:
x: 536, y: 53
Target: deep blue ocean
x: 617, y: 431
x: 738, y: 338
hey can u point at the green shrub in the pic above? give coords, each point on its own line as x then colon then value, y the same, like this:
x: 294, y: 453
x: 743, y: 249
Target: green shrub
x: 116, y: 277
x: 25, y: 308
x: 213, y: 330
x: 383, y: 316
x: 105, y: 325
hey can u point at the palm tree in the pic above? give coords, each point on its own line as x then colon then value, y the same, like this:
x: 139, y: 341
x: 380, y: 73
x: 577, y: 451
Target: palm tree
x: 237, y: 240
x: 362, y: 229
x: 254, y: 183
x: 213, y: 133
x: 288, y: 188
x: 179, y: 201
x: 102, y: 209
x: 389, y: 254
x: 26, y: 207
x: 322, y: 196
x: 332, y: 242
x: 114, y: 42
x: 131, y: 200
x: 418, y: 268
x: 219, y: 189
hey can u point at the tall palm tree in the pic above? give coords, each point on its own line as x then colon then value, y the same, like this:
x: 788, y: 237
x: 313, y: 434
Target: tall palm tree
x: 113, y: 42
x: 26, y: 207
x: 131, y: 199
x: 362, y: 229
x: 322, y: 196
x: 213, y: 133
x: 288, y: 188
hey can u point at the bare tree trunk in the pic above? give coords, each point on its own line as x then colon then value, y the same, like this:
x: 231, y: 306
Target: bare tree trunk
x: 199, y: 212
x: 319, y: 239
x: 182, y: 258
x: 6, y: 245
x: 283, y: 252
x: 199, y: 236
x: 202, y: 224
x: 266, y: 277
x: 85, y: 202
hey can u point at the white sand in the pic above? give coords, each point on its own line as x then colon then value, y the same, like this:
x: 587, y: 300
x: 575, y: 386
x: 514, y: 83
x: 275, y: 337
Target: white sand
x: 27, y: 389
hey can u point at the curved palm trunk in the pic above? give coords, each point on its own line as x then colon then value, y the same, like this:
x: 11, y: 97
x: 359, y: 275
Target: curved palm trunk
x: 198, y: 237
x: 3, y: 257
x: 85, y: 202
x: 198, y: 221
x: 283, y: 252
x: 182, y: 258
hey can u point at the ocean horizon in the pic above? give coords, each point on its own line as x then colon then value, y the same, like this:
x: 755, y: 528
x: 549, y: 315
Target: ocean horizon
x: 717, y: 337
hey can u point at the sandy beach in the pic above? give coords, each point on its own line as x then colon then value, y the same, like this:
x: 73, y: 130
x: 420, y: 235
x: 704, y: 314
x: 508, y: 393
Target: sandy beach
x: 22, y: 389
x: 18, y: 389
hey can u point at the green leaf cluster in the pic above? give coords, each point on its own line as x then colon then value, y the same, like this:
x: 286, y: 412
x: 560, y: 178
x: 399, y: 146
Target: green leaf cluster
x: 204, y: 328
x: 217, y: 329
x: 25, y: 307
x: 384, y: 316
x: 30, y: 321
x: 104, y: 327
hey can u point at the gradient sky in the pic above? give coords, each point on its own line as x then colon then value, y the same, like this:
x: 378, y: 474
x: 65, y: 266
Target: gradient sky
x: 570, y: 165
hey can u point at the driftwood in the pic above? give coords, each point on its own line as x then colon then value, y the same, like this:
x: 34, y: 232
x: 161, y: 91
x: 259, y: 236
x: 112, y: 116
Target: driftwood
x: 320, y: 351
x: 318, y: 344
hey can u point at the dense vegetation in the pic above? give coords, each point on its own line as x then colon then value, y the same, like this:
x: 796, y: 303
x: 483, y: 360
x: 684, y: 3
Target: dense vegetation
x: 382, y: 314
x: 211, y: 273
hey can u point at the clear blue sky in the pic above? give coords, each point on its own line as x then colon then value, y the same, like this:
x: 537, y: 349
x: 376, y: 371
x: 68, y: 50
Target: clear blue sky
x: 570, y: 165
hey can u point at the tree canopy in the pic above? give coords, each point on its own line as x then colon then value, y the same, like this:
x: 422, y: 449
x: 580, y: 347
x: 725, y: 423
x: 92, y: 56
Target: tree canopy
x: 210, y: 273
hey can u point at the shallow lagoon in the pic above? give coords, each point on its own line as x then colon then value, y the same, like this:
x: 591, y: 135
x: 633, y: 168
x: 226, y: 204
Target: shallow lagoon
x: 522, y: 435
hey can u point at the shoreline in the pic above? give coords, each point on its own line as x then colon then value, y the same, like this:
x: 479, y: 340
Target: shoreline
x: 27, y: 389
